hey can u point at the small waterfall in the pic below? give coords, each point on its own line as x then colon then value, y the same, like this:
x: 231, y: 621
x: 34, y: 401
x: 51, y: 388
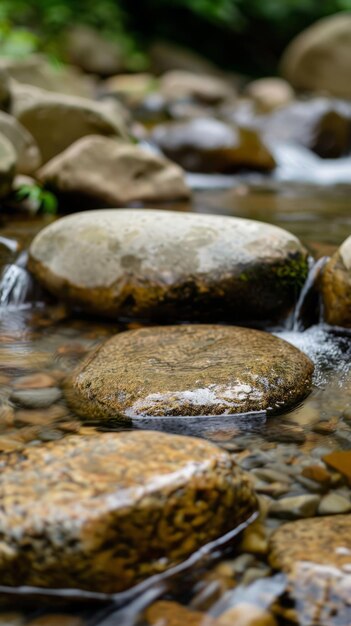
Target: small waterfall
x: 16, y: 284
x: 308, y: 298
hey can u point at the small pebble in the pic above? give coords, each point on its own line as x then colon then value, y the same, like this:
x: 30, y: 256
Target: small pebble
x: 8, y: 444
x: 34, y: 381
x: 347, y: 414
x: 295, y: 507
x: 324, y: 428
x: 334, y: 503
x: 318, y: 473
x: 271, y: 476
x: 245, y: 614
x: 50, y: 435
x: 36, y: 398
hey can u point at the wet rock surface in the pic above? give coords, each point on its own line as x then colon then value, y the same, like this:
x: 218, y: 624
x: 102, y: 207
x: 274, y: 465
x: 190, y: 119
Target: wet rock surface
x: 209, y: 145
x: 336, y: 287
x: 160, y: 264
x: 106, y: 172
x: 315, y: 555
x: 190, y: 370
x: 322, y: 125
x: 106, y: 512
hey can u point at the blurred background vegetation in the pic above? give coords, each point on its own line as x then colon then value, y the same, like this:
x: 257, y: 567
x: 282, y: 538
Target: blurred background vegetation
x: 246, y: 36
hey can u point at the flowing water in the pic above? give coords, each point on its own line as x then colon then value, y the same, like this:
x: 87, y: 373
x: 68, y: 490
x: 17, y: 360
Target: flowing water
x: 40, y: 335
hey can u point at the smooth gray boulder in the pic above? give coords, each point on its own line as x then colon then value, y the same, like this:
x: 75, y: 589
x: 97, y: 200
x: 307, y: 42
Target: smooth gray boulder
x: 170, y: 265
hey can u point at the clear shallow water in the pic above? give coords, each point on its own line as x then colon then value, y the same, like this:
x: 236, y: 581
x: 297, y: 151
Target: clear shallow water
x: 39, y: 336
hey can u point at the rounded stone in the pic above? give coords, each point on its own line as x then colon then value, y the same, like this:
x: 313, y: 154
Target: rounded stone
x: 189, y: 370
x: 8, y: 160
x: 170, y: 265
x: 315, y: 555
x: 336, y: 287
x: 104, y: 513
x: 211, y: 146
x: 318, y: 58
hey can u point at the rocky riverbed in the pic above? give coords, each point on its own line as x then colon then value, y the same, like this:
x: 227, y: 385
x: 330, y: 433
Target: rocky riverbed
x: 175, y: 391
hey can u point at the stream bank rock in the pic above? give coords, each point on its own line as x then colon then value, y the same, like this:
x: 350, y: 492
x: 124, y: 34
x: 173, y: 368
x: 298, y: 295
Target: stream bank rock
x: 170, y: 265
x: 315, y: 555
x: 318, y: 59
x: 113, y: 173
x: 105, y: 512
x: 28, y: 155
x: 336, y: 287
x: 8, y: 162
x: 189, y: 370
x: 209, y: 145
x: 58, y: 120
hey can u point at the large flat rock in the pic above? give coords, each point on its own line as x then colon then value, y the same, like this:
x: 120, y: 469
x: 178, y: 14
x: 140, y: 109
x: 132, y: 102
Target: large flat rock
x: 189, y: 370
x: 170, y: 265
x: 105, y: 512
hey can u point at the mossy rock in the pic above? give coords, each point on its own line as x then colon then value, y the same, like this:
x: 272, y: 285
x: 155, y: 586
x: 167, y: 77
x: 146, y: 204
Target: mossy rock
x: 167, y: 265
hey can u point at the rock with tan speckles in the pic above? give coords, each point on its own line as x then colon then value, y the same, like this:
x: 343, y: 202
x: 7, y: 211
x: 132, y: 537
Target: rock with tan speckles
x: 336, y: 287
x: 316, y: 556
x: 104, y: 513
x: 189, y: 370
x: 170, y: 265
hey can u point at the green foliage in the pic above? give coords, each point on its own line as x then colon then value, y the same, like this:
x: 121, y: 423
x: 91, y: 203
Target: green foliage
x: 260, y: 28
x: 39, y: 199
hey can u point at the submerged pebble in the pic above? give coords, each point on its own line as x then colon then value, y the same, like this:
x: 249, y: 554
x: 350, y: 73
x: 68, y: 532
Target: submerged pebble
x: 36, y: 398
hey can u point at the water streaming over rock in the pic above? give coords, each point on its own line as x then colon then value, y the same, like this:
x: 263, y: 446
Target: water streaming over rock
x: 309, y: 299
x: 16, y: 284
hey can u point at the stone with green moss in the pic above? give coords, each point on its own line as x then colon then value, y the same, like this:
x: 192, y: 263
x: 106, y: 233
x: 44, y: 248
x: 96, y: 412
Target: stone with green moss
x: 166, y: 265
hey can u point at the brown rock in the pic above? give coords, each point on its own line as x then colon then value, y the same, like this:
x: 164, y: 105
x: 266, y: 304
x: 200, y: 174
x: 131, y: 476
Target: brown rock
x: 39, y: 380
x: 28, y: 155
x: 315, y: 555
x: 207, y: 89
x: 189, y: 370
x: 111, y: 173
x: 170, y: 265
x: 166, y: 613
x: 340, y: 460
x: 322, y: 125
x: 317, y: 473
x: 336, y: 287
x: 318, y: 58
x: 93, y: 53
x: 68, y: 117
x: 245, y: 614
x: 8, y: 161
x: 270, y: 93
x: 105, y: 512
x: 209, y: 145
